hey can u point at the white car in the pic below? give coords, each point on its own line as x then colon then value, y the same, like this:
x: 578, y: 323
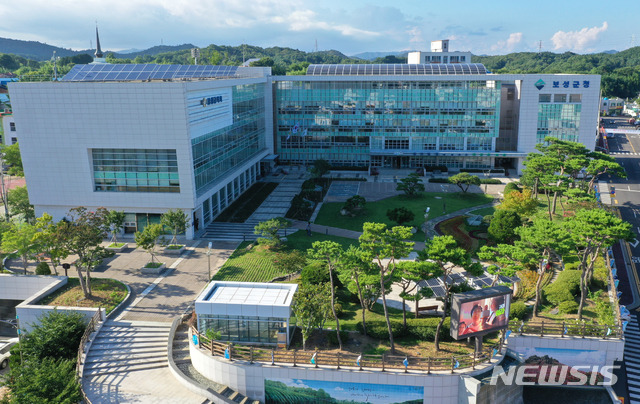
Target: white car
x: 4, y: 352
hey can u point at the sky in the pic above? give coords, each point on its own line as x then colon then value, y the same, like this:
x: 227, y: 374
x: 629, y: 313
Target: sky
x: 351, y: 27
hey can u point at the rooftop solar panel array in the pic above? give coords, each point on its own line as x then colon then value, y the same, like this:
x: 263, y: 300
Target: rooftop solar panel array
x: 396, y: 69
x: 139, y: 72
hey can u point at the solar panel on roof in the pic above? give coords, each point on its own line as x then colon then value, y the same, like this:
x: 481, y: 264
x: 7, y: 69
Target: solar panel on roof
x: 395, y: 69
x: 110, y: 72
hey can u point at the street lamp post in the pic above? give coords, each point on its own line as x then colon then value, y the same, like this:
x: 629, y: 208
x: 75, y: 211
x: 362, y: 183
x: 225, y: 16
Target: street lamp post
x: 486, y: 177
x: 209, y: 260
x: 426, y: 219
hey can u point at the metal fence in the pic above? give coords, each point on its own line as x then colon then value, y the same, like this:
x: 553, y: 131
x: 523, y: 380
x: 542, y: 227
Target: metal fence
x: 565, y: 329
x: 91, y: 327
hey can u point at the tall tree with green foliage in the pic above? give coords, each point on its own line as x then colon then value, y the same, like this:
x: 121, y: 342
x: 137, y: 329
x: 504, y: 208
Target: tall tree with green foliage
x: 48, y: 242
x: 329, y: 252
x: 115, y: 223
x: 269, y: 231
x: 147, y: 239
x: 20, y: 241
x: 177, y: 221
x: 464, y: 180
x: 521, y: 202
x: 411, y: 185
x: 407, y: 277
x: 592, y: 232
x: 508, y: 260
x: 385, y: 247
x: 320, y: 168
x: 360, y: 277
x: 445, y: 253
x: 11, y: 156
x: 539, y: 243
x: 18, y: 199
x: 311, y: 308
x: 82, y: 235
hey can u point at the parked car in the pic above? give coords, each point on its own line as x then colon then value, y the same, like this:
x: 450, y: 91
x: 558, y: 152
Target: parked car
x: 5, y: 352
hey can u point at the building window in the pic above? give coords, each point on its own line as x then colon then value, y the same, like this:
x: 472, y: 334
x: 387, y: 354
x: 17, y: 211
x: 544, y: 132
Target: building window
x: 400, y: 143
x: 451, y: 143
x: 559, y: 98
x: 575, y: 97
x: 12, y: 126
x: 135, y: 170
x: 479, y: 143
x: 544, y: 98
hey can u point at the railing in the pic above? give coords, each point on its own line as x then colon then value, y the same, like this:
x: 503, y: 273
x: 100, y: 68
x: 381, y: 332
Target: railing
x: 565, y: 329
x: 91, y: 327
x: 341, y: 359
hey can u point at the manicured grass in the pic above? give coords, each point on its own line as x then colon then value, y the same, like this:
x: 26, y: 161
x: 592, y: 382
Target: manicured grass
x: 115, y: 245
x: 329, y: 214
x: 247, y: 203
x: 107, y: 293
x: 484, y: 211
x: 256, y: 264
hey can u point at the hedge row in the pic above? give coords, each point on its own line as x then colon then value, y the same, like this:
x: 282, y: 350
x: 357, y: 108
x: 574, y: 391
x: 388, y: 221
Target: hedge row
x: 420, y: 328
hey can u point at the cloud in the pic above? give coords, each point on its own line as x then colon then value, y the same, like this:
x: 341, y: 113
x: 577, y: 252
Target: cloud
x: 509, y: 44
x: 577, y: 40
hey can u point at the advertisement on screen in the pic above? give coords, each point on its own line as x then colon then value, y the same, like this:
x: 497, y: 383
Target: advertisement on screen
x: 480, y: 312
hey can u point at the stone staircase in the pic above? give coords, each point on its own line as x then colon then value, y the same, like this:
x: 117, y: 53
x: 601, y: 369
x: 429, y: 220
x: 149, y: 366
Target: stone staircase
x: 126, y: 346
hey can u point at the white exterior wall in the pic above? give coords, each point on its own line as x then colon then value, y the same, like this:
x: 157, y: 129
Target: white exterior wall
x: 7, y: 120
x: 528, y: 120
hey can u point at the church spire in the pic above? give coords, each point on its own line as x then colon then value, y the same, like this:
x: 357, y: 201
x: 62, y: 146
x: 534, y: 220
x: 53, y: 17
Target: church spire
x: 98, y: 50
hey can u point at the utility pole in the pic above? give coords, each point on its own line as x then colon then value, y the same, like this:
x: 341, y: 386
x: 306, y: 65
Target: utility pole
x: 3, y: 189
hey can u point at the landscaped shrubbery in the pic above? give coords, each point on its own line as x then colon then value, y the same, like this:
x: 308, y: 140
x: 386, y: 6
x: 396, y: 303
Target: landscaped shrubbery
x: 568, y: 307
x: 423, y: 329
x: 565, y: 288
x: 518, y: 310
x: 512, y: 186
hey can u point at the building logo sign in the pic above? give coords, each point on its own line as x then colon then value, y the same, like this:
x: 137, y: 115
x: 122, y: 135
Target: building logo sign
x: 540, y: 84
x: 571, y: 84
x: 206, y: 101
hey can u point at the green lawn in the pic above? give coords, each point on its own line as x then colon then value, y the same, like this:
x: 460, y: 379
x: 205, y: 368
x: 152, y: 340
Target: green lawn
x: 484, y: 211
x: 329, y: 214
x: 256, y: 264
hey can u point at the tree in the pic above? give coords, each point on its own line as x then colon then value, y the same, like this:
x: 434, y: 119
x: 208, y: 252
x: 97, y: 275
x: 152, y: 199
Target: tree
x: 269, y: 231
x: 360, y: 277
x: 115, y: 223
x: 11, y: 156
x: 400, y: 215
x: 599, y: 165
x: 445, y: 253
x: 329, y: 253
x: 507, y: 257
x: 411, y: 185
x: 521, y: 202
x: 384, y: 247
x: 503, y: 225
x: 18, y: 200
x: 537, y: 246
x: 82, y: 235
x: 408, y: 275
x: 592, y: 231
x: 47, y: 240
x: 320, y: 168
x: 147, y: 239
x: 464, y: 180
x: 177, y: 221
x: 55, y: 335
x: 355, y: 204
x: 311, y: 308
x: 20, y: 239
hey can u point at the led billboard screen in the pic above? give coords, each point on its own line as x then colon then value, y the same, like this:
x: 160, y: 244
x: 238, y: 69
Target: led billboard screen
x: 480, y: 312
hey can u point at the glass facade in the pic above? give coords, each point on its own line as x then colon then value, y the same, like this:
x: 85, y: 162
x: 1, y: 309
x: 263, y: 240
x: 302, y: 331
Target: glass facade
x: 559, y: 119
x: 135, y: 170
x: 243, y: 328
x: 218, y: 152
x: 345, y: 122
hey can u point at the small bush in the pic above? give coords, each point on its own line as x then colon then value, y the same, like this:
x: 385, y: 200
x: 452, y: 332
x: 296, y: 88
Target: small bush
x: 512, y: 186
x: 424, y: 329
x: 565, y: 288
x: 490, y: 181
x: 518, y: 310
x: 600, y: 274
x: 315, y: 274
x: 378, y: 329
x: 338, y: 308
x: 568, y: 307
x: 332, y: 337
x: 43, y: 269
x: 439, y: 180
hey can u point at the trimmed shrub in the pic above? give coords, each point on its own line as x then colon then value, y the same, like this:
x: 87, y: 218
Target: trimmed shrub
x: 490, y: 181
x: 568, y: 307
x: 512, y: 186
x: 518, y: 310
x: 439, y: 180
x: 314, y: 274
x: 565, y: 288
x: 378, y: 329
x: 332, y: 337
x: 43, y: 269
x: 339, y: 310
x: 424, y: 329
x: 600, y: 274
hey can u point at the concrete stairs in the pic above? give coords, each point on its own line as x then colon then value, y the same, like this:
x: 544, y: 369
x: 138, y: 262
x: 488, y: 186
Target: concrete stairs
x: 632, y: 358
x: 125, y: 346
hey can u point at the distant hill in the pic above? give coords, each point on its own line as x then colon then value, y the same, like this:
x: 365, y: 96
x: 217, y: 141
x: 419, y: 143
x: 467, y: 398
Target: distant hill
x: 155, y: 50
x: 374, y: 55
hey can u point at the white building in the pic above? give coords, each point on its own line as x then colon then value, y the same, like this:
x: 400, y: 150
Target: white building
x: 439, y: 54
x: 247, y: 312
x: 143, y: 139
